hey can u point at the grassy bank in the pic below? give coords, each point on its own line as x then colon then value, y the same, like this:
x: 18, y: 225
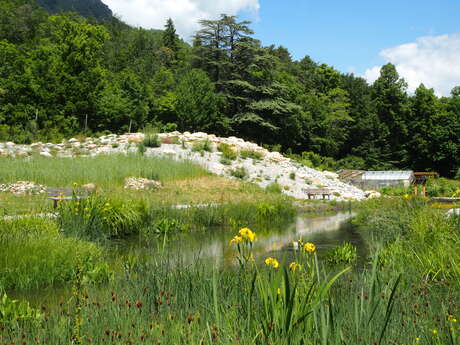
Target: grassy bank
x: 34, y: 254
x: 38, y: 258
x: 183, y: 182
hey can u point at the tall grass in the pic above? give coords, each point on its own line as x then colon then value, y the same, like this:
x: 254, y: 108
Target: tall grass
x: 107, y: 171
x: 33, y: 254
x: 198, y: 304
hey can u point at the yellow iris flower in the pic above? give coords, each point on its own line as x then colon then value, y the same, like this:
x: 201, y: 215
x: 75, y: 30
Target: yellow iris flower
x: 309, y: 247
x: 294, y: 266
x: 236, y: 240
x: 272, y: 262
x: 248, y: 234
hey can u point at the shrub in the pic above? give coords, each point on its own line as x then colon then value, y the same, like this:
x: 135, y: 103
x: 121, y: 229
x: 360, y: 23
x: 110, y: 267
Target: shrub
x: 151, y: 138
x: 141, y: 148
x: 344, y: 254
x: 227, y: 151
x: 225, y: 161
x: 202, y: 146
x: 274, y: 188
x: 239, y: 172
x: 251, y: 154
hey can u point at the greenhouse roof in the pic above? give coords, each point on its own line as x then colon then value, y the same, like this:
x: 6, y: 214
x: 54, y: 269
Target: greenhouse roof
x: 388, y: 175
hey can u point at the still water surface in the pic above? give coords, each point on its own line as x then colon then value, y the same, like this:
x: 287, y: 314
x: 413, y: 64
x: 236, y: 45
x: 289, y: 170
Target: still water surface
x: 326, y: 232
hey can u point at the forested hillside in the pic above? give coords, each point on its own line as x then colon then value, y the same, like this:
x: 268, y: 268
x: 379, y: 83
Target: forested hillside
x: 60, y: 75
x: 88, y: 8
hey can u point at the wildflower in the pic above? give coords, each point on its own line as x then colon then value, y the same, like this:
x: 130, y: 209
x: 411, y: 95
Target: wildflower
x: 278, y: 291
x: 247, y: 234
x: 236, y: 240
x: 434, y: 331
x: 272, y: 262
x: 294, y: 266
x: 309, y: 247
x: 406, y: 196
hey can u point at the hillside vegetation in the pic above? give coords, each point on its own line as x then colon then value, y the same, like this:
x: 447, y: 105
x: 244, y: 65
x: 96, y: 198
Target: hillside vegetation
x: 88, y: 8
x: 61, y: 75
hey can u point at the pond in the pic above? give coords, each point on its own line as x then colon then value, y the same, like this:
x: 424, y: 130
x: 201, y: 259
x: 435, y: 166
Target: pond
x: 326, y: 232
x: 213, y: 244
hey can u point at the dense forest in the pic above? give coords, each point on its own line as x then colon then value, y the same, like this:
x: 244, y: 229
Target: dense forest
x: 62, y: 75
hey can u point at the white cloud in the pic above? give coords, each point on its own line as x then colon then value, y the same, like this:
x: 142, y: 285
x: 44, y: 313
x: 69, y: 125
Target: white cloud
x: 152, y: 14
x: 431, y: 60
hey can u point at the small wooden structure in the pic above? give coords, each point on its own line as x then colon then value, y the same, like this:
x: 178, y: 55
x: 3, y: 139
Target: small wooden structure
x: 421, y: 179
x: 374, y: 180
x: 314, y: 192
x: 62, y: 194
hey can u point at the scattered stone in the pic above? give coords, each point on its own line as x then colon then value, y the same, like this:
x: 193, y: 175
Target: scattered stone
x: 22, y: 188
x: 140, y: 183
x: 453, y: 212
x: 371, y: 194
x: 45, y: 154
x: 90, y: 187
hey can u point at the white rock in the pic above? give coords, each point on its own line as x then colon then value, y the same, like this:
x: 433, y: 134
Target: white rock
x: 330, y: 174
x: 45, y: 154
x: 371, y: 194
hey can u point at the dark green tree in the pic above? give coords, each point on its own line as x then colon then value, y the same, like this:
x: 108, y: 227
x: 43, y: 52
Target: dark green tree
x: 169, y: 38
x: 197, y: 104
x: 392, y: 107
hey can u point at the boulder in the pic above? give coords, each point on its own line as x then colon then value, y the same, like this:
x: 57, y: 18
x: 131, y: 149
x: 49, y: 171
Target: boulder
x: 89, y: 187
x: 46, y: 154
x: 371, y: 194
x: 139, y: 183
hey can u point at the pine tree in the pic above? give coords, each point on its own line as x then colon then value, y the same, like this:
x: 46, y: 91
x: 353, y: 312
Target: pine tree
x: 170, y: 37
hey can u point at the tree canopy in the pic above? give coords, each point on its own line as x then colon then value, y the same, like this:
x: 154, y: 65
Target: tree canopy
x: 64, y: 74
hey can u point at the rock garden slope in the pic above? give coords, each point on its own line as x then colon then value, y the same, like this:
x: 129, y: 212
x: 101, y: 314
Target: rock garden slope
x: 249, y: 162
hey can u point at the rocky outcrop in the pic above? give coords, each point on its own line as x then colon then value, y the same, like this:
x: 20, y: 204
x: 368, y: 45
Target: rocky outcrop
x: 260, y: 166
x: 23, y: 188
x: 139, y: 183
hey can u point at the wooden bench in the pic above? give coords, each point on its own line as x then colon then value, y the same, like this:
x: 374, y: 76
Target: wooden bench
x: 314, y: 192
x: 62, y: 194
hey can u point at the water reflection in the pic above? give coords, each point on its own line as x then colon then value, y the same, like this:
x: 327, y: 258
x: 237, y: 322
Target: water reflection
x: 325, y: 232
x: 213, y: 244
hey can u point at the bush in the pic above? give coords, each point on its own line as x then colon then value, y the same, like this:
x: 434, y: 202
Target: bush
x: 226, y: 161
x: 239, y: 173
x: 202, y: 146
x: 228, y: 152
x: 151, y: 138
x: 274, y: 188
x: 251, y: 154
x: 344, y: 254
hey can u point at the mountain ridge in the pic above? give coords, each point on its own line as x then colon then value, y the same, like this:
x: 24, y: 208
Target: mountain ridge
x: 88, y: 8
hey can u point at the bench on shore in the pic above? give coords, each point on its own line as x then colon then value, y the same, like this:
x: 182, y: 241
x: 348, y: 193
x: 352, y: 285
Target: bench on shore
x: 446, y: 200
x: 62, y: 194
x: 314, y: 192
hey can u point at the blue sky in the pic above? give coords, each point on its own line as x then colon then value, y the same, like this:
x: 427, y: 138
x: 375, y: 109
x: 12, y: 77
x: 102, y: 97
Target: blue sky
x: 421, y: 37
x: 350, y: 34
